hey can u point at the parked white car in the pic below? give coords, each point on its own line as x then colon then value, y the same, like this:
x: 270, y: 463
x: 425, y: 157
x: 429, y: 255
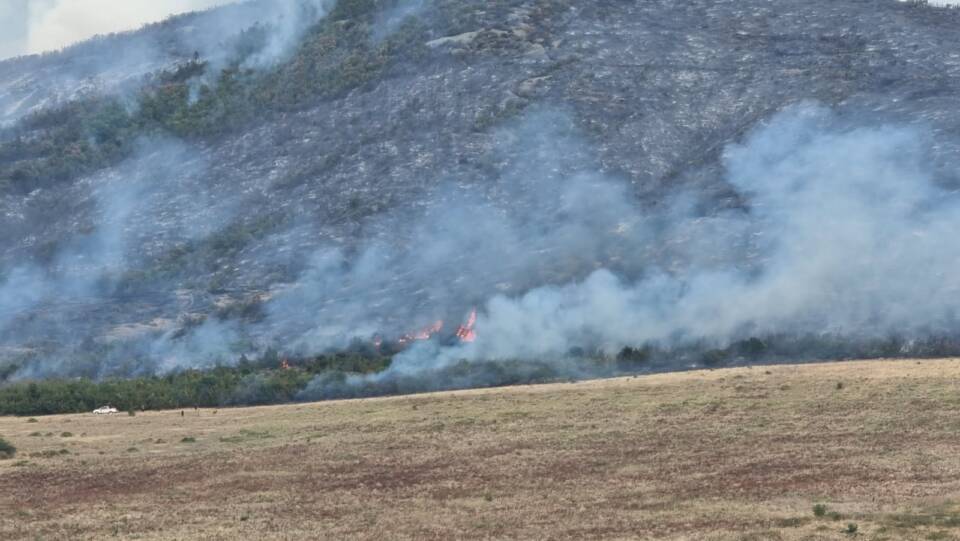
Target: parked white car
x: 105, y: 410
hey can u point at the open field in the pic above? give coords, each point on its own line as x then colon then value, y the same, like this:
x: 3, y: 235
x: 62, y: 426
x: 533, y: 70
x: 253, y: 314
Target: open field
x: 734, y: 454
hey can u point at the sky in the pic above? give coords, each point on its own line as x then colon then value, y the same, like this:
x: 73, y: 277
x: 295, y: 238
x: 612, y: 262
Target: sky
x: 34, y: 26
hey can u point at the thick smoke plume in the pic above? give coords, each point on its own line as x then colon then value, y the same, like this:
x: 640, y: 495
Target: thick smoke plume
x: 253, y: 34
x: 36, y: 26
x: 842, y: 226
x: 547, y: 218
x: 14, y: 28
x: 121, y: 209
x: 846, y: 230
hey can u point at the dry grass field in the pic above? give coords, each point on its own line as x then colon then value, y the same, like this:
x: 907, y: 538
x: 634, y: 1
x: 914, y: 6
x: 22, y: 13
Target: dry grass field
x: 734, y: 454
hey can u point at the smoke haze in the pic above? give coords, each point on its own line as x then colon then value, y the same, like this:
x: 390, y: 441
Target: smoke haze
x: 253, y: 34
x: 842, y: 224
x: 846, y: 231
x: 36, y: 26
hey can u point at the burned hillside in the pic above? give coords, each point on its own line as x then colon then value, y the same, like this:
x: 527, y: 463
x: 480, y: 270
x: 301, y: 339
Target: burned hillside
x: 586, y: 176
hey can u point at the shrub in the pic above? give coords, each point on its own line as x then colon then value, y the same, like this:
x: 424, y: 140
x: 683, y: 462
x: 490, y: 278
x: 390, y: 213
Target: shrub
x: 819, y: 510
x: 713, y: 357
x: 7, y: 450
x: 851, y: 529
x: 131, y: 413
x: 32, y: 420
x: 66, y: 435
x: 791, y: 522
x: 188, y: 439
x: 49, y: 453
x: 630, y: 358
x: 258, y: 381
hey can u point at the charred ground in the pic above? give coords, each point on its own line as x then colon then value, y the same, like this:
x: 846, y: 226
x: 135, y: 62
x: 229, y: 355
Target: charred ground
x: 152, y: 224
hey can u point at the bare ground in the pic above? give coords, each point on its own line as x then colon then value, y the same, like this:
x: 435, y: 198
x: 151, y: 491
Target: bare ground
x: 735, y: 454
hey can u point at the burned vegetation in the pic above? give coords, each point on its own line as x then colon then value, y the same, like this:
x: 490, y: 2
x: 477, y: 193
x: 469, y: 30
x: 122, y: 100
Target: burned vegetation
x: 400, y: 196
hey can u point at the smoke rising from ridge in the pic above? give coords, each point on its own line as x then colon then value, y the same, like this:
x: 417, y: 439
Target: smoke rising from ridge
x: 14, y: 28
x: 390, y: 19
x: 47, y: 25
x: 846, y: 231
x: 253, y: 34
x: 44, y: 25
x: 122, y: 208
x: 470, y: 243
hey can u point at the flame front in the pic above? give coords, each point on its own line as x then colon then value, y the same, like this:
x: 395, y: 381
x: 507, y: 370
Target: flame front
x: 466, y: 332
x: 423, y: 334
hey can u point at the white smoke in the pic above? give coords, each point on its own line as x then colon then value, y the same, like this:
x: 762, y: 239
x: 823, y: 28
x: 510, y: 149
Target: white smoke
x: 548, y: 217
x: 22, y: 288
x: 390, y: 19
x: 846, y: 228
x: 942, y: 3
x: 14, y: 27
x: 48, y: 25
x: 846, y: 231
x: 159, y: 183
x: 854, y: 234
x: 35, y: 26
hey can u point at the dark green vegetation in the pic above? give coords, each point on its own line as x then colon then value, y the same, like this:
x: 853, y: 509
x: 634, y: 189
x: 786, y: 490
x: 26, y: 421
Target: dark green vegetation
x: 7, y: 450
x: 362, y: 371
x: 338, y: 55
x: 273, y: 380
x: 265, y: 381
x: 201, y: 257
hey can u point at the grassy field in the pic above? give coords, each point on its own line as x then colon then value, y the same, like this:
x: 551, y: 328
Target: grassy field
x: 734, y: 454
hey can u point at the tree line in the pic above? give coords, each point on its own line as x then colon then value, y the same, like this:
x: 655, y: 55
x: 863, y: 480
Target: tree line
x: 268, y: 380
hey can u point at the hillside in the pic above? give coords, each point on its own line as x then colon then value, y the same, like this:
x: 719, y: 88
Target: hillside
x: 729, y: 454
x: 576, y: 177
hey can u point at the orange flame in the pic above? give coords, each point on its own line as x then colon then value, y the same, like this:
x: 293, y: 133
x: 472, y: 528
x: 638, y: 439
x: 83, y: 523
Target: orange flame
x: 466, y: 333
x: 423, y: 334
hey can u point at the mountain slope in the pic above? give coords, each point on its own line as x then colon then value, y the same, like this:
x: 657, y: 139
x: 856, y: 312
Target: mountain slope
x: 399, y: 163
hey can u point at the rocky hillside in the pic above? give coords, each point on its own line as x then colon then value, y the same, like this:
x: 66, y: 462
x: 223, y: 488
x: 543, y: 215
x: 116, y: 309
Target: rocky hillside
x: 355, y: 170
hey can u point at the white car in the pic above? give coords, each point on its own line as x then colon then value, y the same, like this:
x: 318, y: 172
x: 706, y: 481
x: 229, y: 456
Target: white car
x: 105, y: 410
